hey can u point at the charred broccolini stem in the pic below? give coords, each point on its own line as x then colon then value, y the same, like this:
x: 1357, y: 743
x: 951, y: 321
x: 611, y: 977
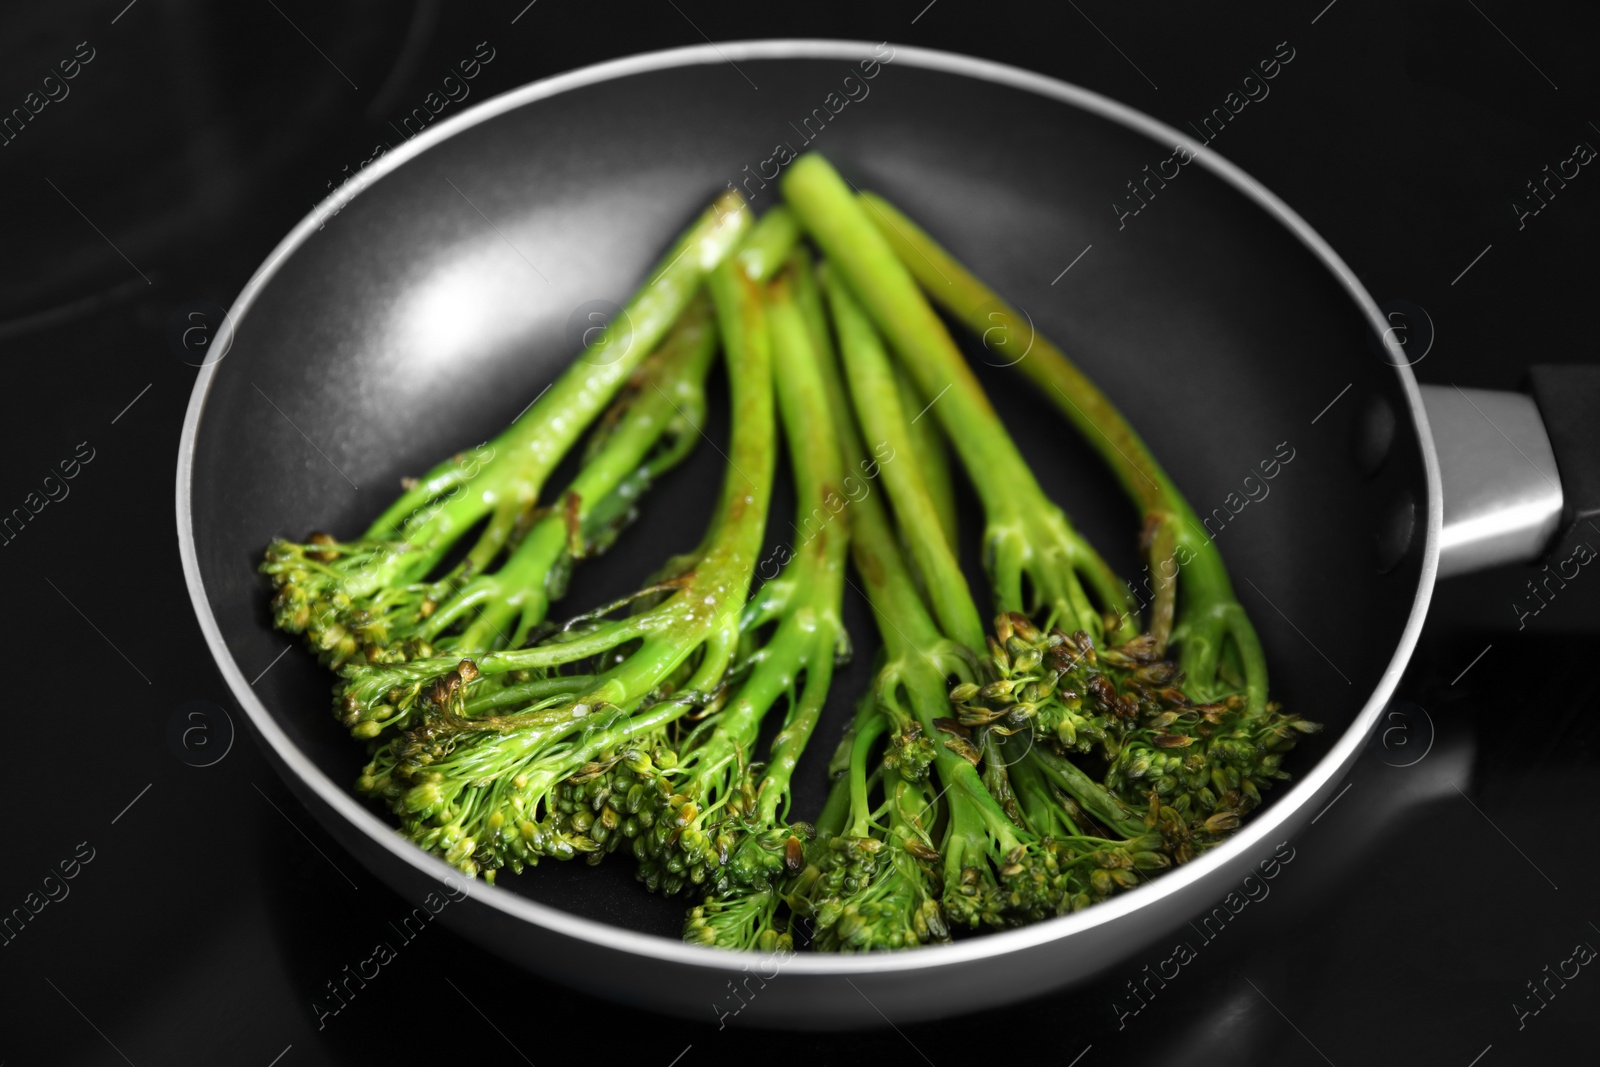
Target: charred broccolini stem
x: 1037, y: 563
x: 332, y: 591
x: 650, y: 428
x: 479, y: 788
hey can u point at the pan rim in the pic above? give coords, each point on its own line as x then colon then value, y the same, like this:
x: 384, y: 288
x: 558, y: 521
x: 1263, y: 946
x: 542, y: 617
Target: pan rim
x: 1315, y: 781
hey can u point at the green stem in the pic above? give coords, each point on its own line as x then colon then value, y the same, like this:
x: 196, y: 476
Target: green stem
x: 931, y: 455
x: 702, y: 610
x: 876, y: 400
x: 712, y: 595
x: 1066, y: 776
x: 769, y: 244
x: 813, y: 438
x: 527, y: 451
x: 1175, y: 541
x: 527, y: 692
x: 801, y: 723
x: 979, y: 828
x: 668, y: 403
x: 1043, y: 815
x: 835, y: 814
x: 909, y: 635
x: 835, y: 220
x: 859, y: 822
x: 1051, y: 553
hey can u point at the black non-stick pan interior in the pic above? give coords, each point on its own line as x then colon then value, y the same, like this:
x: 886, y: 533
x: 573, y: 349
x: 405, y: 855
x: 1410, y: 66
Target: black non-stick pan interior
x: 424, y: 316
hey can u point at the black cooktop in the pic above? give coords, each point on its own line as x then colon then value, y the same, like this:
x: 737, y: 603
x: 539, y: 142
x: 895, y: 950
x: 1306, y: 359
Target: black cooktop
x: 182, y: 908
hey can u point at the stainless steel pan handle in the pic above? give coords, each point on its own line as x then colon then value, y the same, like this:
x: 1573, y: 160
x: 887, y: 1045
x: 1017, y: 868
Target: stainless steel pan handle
x: 1518, y: 471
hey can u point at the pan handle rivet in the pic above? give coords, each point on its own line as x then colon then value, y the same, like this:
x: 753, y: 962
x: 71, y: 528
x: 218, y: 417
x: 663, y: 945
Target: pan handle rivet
x: 1395, y: 531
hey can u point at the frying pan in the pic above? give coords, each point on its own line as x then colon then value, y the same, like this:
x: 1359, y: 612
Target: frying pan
x: 425, y: 303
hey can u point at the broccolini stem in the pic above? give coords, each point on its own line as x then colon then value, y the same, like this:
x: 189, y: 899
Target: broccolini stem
x: 859, y: 821
x: 837, y: 812
x: 528, y: 450
x: 704, y: 610
x: 917, y: 662
x: 713, y: 821
x: 370, y: 594
x: 477, y: 784
x: 1041, y: 811
x: 709, y: 598
x: 523, y: 693
x: 1171, y: 532
x: 1028, y: 534
x: 1065, y: 775
x: 876, y: 400
x: 931, y: 455
x: 769, y: 244
x: 665, y: 412
x: 813, y: 437
x: 836, y: 221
